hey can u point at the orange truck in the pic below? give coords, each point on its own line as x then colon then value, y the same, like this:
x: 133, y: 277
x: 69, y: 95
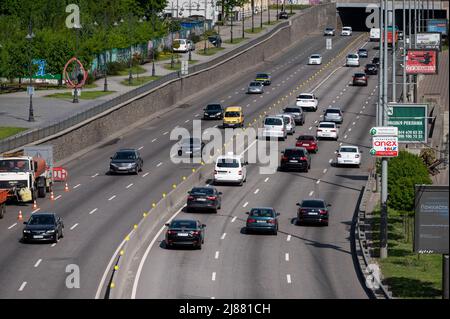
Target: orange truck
x: 3, y: 198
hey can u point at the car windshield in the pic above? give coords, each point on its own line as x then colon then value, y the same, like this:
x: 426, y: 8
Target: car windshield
x: 213, y: 107
x: 360, y: 75
x: 42, y: 220
x: 347, y: 150
x: 376, y: 59
x: 332, y: 111
x: 362, y: 50
x: 352, y: 56
x: 329, y: 29
x: 346, y: 28
x: 14, y: 165
x: 227, y: 163
x: 191, y: 224
x: 315, y: 56
x: 292, y: 110
x: 306, y: 138
x: 313, y: 203
x: 124, y: 156
x: 255, y: 84
x: 370, y: 65
x: 232, y: 114
x: 326, y: 125
x: 262, y: 76
x: 305, y: 97
x: 273, y: 121
x: 262, y: 212
x: 296, y: 153
x: 202, y: 191
x: 191, y: 141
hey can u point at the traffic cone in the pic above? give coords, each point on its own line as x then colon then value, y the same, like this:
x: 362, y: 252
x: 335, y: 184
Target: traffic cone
x: 20, y: 217
x: 34, y: 204
x: 66, y: 188
x: 52, y: 197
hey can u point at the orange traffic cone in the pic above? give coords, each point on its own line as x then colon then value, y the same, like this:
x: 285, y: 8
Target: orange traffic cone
x: 66, y: 188
x: 34, y: 204
x: 20, y: 217
x: 52, y: 197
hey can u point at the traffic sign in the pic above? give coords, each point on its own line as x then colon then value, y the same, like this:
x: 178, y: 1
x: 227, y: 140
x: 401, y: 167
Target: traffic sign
x: 30, y: 90
x: 411, y: 121
x: 384, y: 131
x: 384, y: 146
x: 184, y: 67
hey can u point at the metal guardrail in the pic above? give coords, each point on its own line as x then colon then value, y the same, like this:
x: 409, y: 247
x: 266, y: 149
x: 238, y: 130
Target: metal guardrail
x: 37, y: 134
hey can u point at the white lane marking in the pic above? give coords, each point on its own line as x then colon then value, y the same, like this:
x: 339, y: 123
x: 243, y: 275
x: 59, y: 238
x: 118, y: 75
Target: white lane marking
x: 223, y: 236
x: 112, y: 197
x: 76, y: 186
x: 94, y: 175
x: 74, y: 226
x: 213, y: 277
x: 159, y: 164
x: 216, y: 255
x: 58, y: 197
x: 197, y: 115
x: 357, y: 117
x: 325, y: 170
x: 22, y: 286
x: 140, y: 148
x: 340, y: 144
x: 53, y: 245
x: 12, y: 226
x: 330, y: 161
x: 245, y: 204
x: 256, y: 191
x: 35, y: 211
x: 37, y: 263
x: 349, y: 129
x: 165, y: 133
x: 93, y: 211
x: 154, y: 140
x: 311, y: 193
x: 354, y: 123
x: 187, y: 121
x: 234, y: 218
x: 310, y: 128
x: 288, y: 279
x: 288, y: 238
x: 145, y: 174
x: 129, y: 185
x: 318, y: 181
x: 286, y: 256
x: 345, y: 137
x: 265, y: 181
x: 221, y: 101
x: 315, y: 122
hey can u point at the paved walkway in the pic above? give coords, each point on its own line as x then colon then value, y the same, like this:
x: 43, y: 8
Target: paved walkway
x: 14, y: 107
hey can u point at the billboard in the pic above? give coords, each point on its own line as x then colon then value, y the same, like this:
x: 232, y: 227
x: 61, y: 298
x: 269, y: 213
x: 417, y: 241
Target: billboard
x: 411, y: 121
x: 437, y: 25
x: 428, y: 40
x: 431, y: 219
x: 423, y: 61
x: 384, y: 146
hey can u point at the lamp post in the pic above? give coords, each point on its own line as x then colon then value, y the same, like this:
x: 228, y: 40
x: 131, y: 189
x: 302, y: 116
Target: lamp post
x: 268, y: 11
x: 231, y: 24
x: 261, y: 23
x: 130, y: 74
x: 253, y: 16
x: 30, y: 37
x: 243, y: 22
x: 277, y: 10
x: 75, y: 92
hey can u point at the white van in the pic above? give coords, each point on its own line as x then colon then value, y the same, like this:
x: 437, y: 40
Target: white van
x: 374, y: 35
x: 275, y: 126
x: 352, y: 59
x: 230, y: 169
x: 182, y: 45
x: 289, y: 121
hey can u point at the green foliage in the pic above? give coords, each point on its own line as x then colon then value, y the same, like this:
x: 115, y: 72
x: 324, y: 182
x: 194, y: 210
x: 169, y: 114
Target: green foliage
x: 404, y: 172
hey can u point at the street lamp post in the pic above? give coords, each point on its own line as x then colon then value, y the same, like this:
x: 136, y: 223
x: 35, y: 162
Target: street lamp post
x: 277, y: 10
x: 243, y: 22
x: 231, y: 25
x: 75, y: 92
x: 261, y: 22
x: 268, y: 11
x: 30, y: 37
x: 253, y: 16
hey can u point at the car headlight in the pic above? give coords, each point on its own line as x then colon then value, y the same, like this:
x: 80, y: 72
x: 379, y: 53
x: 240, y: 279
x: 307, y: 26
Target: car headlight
x: 132, y: 164
x: 26, y: 231
x: 52, y: 231
x: 113, y: 165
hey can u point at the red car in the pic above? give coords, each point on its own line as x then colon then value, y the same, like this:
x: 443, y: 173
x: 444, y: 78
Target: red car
x: 309, y: 142
x: 360, y: 79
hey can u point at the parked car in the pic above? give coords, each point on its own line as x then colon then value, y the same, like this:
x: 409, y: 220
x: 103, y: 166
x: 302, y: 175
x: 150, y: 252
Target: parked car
x: 185, y: 232
x: 363, y: 53
x: 348, y: 155
x: 283, y: 15
x: 297, y: 112
x: 327, y: 130
x: 230, y: 169
x: 371, y: 69
x: 315, y: 59
x: 333, y: 114
x: 264, y: 78
x: 213, y: 111
x: 313, y: 211
x: 126, y: 161
x: 255, y: 87
x: 359, y: 79
x: 215, y: 40
x: 182, y: 45
x: 289, y: 121
x: 329, y: 31
x: 309, y: 142
x: 191, y: 146
x: 352, y: 60
x: 274, y: 126
x: 307, y: 101
x: 346, y: 31
x: 233, y: 117
x: 295, y: 158
x: 201, y: 198
x: 264, y: 219
x: 43, y: 227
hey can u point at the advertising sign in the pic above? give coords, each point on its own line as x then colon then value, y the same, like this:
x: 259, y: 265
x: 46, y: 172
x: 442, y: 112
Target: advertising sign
x: 384, y: 146
x: 437, y: 25
x: 431, y: 219
x: 423, y: 61
x: 428, y: 40
x: 411, y: 121
x: 384, y: 131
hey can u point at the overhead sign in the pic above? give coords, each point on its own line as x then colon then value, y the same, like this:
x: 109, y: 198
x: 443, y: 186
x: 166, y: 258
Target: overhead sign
x: 422, y: 61
x: 411, y: 121
x: 431, y: 219
x: 384, y: 131
x: 384, y: 146
x: 428, y: 40
x: 437, y: 25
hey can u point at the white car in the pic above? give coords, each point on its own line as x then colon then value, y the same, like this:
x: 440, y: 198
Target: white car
x: 352, y: 60
x: 327, y: 130
x: 307, y: 101
x: 275, y: 126
x: 315, y: 59
x: 348, y: 155
x: 183, y: 45
x: 346, y: 31
x: 230, y: 169
x: 289, y: 121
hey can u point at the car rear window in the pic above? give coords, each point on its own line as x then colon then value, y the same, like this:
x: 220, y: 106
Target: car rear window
x: 232, y: 114
x: 360, y: 75
x: 313, y: 204
x: 327, y: 125
x: 227, y: 163
x: 362, y: 50
x: 306, y: 138
x: 255, y: 84
x: 315, y: 56
x: 291, y: 152
x: 273, y: 121
x: 262, y: 76
x: 332, y: 111
x: 305, y: 97
x: 191, y: 224
x: 352, y: 56
x: 292, y: 110
x: 202, y: 191
x: 262, y: 212
x: 347, y: 150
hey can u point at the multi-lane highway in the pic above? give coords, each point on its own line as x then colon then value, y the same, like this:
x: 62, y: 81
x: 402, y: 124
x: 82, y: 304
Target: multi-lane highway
x: 301, y: 262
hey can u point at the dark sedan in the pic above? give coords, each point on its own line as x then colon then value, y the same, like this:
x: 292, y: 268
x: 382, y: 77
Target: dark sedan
x: 213, y: 111
x: 376, y: 61
x: 215, y: 40
x: 283, y: 15
x: 309, y: 142
x: 262, y: 219
x: 43, y: 227
x: 201, y: 198
x: 313, y: 211
x: 371, y: 69
x: 359, y: 79
x: 126, y: 161
x: 185, y: 232
x: 296, y: 158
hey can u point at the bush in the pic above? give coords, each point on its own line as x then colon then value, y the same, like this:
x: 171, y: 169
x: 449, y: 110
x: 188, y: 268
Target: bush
x: 115, y: 67
x: 404, y: 172
x: 194, y: 37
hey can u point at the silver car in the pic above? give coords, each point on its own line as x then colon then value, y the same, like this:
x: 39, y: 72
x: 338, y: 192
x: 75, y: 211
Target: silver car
x: 297, y: 112
x: 191, y: 147
x: 290, y: 123
x: 333, y: 114
x: 255, y: 87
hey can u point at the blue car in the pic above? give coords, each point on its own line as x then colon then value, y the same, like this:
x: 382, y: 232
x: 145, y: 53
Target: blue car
x: 263, y: 219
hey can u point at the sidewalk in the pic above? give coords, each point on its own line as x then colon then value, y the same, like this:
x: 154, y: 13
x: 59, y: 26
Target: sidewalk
x: 14, y: 106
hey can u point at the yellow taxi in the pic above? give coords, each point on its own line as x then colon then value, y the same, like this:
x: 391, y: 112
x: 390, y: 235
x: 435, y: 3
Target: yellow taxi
x: 233, y: 117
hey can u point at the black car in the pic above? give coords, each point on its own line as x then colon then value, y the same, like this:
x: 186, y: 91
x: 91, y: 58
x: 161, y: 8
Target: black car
x: 185, y: 232
x: 43, y: 227
x: 376, y: 61
x: 295, y: 158
x: 363, y: 53
x: 215, y: 40
x: 283, y: 15
x: 314, y: 211
x: 213, y: 111
x: 371, y: 69
x: 126, y: 161
x: 204, y: 198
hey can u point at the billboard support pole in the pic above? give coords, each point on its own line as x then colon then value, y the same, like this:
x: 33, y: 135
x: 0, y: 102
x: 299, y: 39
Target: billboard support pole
x: 380, y: 74
x: 445, y: 278
x: 394, y: 60
x: 409, y: 46
x: 405, y: 89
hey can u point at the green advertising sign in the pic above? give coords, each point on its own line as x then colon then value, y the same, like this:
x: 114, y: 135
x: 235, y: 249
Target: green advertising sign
x: 411, y: 121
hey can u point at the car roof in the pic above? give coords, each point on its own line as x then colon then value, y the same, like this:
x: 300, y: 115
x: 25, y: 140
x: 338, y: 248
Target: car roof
x: 238, y: 157
x: 233, y: 108
x: 184, y: 220
x: 316, y: 54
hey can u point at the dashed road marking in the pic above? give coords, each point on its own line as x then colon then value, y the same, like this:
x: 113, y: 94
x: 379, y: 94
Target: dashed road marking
x: 213, y: 277
x: 288, y: 279
x: 234, y: 219
x: 256, y: 191
x: 311, y: 193
x: 318, y: 181
x: 288, y: 238
x: 154, y: 140
x: 265, y: 181
x: 330, y: 161
x: 53, y: 245
x: 129, y: 185
x: 93, y: 211
x: 37, y: 263
x: 216, y: 256
x: 223, y: 236
x: 58, y: 197
x: 112, y: 197
x: 286, y: 257
x: 159, y: 164
x: 22, y: 286
x: 145, y: 174
x: 245, y: 204
x: 76, y: 186
x: 93, y: 176
x: 74, y: 226
x: 325, y: 170
x: 12, y: 226
x: 141, y: 148
x: 165, y: 133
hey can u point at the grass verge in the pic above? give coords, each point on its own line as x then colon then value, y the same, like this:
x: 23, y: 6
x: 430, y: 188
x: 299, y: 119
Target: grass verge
x: 10, y: 131
x: 209, y: 51
x: 139, y: 81
x: 235, y: 40
x: 164, y: 56
x: 177, y: 66
x: 87, y: 95
x: 135, y: 70
x: 255, y: 30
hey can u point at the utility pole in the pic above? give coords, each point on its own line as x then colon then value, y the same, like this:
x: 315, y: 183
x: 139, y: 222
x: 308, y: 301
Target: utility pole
x: 405, y: 89
x: 268, y: 11
x: 409, y: 46
x: 380, y: 70
x: 261, y: 1
x: 394, y: 60
x: 253, y: 16
x: 243, y: 22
